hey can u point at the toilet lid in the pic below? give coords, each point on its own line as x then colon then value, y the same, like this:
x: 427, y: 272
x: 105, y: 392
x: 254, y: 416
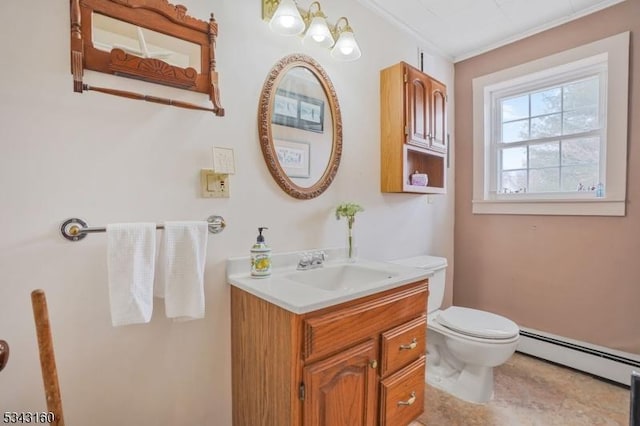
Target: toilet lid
x: 473, y: 322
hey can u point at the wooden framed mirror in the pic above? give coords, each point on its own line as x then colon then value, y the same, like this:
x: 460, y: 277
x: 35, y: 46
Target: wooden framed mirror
x: 150, y: 40
x: 300, y: 126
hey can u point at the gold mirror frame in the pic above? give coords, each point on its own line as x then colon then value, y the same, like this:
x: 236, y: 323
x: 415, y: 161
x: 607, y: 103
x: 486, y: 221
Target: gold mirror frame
x: 265, y: 112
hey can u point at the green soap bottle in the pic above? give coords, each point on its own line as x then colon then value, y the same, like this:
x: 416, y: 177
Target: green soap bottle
x: 260, y: 257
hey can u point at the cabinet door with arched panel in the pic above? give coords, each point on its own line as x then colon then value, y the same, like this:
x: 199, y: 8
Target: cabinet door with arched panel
x: 418, y: 126
x: 438, y: 105
x: 342, y: 389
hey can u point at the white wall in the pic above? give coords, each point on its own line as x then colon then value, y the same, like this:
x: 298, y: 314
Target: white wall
x: 110, y: 159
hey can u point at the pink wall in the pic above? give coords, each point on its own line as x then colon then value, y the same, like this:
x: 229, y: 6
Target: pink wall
x: 577, y: 277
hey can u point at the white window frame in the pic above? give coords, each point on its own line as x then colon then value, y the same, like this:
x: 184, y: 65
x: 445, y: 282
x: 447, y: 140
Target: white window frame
x: 612, y: 52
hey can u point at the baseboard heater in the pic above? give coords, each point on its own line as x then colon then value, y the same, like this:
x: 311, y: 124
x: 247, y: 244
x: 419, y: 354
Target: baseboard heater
x: 597, y: 360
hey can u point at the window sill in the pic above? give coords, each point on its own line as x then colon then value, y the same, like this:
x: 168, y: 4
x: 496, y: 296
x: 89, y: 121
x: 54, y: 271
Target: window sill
x: 590, y: 207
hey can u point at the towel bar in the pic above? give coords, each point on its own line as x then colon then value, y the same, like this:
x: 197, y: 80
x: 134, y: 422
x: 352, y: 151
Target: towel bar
x: 75, y: 229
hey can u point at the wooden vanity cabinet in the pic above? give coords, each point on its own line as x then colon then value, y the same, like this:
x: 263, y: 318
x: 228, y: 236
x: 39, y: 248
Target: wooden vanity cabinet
x: 359, y: 363
x: 413, y: 129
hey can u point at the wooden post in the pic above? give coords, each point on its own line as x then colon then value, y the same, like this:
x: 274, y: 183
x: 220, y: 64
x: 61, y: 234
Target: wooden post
x: 4, y: 354
x: 77, y: 57
x: 47, y: 356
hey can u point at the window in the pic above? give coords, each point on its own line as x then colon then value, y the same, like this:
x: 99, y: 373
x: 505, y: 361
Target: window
x: 547, y: 139
x: 550, y: 135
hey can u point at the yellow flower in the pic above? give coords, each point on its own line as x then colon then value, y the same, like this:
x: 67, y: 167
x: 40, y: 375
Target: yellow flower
x: 262, y: 264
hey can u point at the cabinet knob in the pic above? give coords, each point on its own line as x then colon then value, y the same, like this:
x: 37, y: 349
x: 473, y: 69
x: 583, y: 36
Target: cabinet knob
x: 412, y: 345
x: 410, y: 401
x: 373, y: 363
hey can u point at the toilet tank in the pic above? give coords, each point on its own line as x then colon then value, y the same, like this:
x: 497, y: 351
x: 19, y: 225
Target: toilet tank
x: 438, y: 265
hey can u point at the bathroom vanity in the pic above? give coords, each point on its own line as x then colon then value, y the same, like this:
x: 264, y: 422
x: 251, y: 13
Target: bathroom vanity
x: 359, y: 361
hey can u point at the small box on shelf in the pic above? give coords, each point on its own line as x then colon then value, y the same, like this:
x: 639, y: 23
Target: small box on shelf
x: 428, y: 162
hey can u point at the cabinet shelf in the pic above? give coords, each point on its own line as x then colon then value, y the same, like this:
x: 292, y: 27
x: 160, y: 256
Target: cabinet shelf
x: 420, y: 159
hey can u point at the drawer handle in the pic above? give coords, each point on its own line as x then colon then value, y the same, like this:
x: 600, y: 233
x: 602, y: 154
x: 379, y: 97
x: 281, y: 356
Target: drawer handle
x: 412, y: 345
x: 373, y: 363
x: 409, y: 401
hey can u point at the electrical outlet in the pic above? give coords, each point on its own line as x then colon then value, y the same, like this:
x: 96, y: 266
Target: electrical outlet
x: 214, y: 185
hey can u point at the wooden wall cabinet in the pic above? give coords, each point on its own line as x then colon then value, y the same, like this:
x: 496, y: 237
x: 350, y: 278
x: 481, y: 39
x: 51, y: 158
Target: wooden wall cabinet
x: 413, y: 129
x: 360, y: 363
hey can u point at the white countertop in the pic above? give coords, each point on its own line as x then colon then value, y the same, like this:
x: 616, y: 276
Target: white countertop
x: 298, y: 298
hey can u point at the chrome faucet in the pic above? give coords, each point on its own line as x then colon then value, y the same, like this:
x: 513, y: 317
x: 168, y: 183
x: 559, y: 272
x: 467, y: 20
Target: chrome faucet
x: 311, y: 260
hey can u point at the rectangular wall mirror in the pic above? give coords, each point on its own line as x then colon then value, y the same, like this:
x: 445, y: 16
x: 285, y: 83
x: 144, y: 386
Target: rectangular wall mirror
x: 150, y: 40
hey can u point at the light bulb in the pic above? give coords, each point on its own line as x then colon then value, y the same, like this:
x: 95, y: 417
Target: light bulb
x: 287, y: 21
x: 346, y: 50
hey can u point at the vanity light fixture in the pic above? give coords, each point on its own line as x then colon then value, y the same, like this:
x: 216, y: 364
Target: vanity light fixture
x: 346, y: 47
x: 318, y: 31
x: 287, y: 18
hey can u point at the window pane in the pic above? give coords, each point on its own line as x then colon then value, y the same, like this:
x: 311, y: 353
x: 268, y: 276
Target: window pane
x: 545, y: 126
x: 581, y: 94
x: 539, y: 143
x: 544, y: 155
x: 544, y: 180
x: 515, y: 181
x: 574, y: 176
x: 581, y: 120
x: 514, y: 158
x: 515, y: 131
x: 546, y: 102
x: 515, y: 108
x: 581, y: 151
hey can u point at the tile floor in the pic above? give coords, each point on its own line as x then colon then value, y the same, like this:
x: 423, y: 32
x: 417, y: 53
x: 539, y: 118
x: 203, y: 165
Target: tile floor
x: 532, y: 392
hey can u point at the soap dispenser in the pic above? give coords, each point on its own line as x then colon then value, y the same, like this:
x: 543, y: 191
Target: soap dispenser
x: 260, y: 257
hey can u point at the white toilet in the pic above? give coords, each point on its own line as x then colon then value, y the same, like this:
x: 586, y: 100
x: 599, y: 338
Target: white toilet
x: 463, y: 344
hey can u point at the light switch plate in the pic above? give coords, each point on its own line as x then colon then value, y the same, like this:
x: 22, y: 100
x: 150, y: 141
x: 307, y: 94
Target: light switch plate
x: 214, y: 185
x: 223, y: 160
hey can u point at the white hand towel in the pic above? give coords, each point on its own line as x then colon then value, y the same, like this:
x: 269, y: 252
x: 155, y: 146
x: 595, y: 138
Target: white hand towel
x: 181, y: 261
x: 131, y: 252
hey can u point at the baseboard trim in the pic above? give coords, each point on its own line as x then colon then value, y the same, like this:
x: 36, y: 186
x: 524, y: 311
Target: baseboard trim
x: 609, y: 364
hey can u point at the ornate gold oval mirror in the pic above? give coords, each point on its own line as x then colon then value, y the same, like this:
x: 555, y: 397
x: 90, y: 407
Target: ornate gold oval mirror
x: 300, y: 126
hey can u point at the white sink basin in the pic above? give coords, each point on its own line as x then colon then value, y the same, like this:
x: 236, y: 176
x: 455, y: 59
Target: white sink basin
x: 340, y: 277
x: 338, y: 281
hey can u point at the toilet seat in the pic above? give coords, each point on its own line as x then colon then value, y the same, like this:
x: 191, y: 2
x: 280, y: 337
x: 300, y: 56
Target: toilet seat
x: 476, y: 323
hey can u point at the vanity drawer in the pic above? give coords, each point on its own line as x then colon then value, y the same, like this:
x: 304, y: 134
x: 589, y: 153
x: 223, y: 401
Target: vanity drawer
x: 403, y: 345
x: 402, y: 395
x: 327, y: 333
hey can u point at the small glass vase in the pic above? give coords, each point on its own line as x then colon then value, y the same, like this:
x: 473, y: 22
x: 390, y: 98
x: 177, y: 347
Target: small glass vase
x: 352, y: 248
